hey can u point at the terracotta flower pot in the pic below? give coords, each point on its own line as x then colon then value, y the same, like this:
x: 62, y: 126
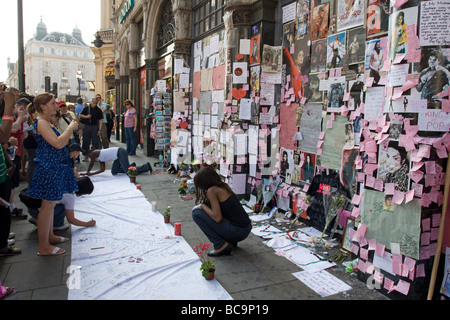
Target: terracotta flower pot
x: 133, y: 179
x: 210, y: 276
x: 167, y: 219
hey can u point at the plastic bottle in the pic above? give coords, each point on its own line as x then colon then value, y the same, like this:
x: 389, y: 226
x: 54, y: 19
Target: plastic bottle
x: 161, y: 160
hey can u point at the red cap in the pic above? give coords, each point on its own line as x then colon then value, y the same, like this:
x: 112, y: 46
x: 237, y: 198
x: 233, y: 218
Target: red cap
x: 61, y: 103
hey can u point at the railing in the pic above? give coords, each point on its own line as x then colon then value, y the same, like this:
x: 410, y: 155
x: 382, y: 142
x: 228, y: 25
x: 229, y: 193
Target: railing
x: 106, y: 35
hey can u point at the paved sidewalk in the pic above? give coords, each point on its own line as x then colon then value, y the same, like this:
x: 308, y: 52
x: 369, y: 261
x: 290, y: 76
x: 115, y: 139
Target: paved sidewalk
x: 252, y: 272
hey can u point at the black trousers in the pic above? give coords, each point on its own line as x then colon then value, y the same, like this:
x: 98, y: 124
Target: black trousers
x: 90, y: 135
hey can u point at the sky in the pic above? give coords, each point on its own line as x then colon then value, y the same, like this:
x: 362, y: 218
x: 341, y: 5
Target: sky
x: 58, y: 15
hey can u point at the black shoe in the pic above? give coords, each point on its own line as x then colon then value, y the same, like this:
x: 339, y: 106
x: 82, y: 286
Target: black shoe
x: 17, y: 214
x: 150, y: 169
x: 224, y: 252
x: 133, y: 164
x: 234, y: 244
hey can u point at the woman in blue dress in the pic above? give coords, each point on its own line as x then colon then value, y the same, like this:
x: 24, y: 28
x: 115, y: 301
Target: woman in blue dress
x: 53, y: 175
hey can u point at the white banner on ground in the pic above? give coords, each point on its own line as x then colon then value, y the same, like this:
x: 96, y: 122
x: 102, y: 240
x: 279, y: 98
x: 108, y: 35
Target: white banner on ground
x: 131, y: 253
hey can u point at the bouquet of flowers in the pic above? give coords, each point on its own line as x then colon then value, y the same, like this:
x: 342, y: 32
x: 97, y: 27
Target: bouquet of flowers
x: 132, y: 171
x: 207, y: 266
x: 332, y: 202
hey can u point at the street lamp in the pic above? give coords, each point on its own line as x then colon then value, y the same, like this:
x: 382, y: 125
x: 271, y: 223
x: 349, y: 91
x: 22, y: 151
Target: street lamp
x: 98, y: 42
x: 79, y: 77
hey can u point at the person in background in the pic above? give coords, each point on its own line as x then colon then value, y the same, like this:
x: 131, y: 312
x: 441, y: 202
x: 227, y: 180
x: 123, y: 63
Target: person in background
x: 17, y: 135
x: 92, y: 119
x: 78, y: 108
x: 103, y: 136
x: 53, y: 175
x: 119, y: 156
x: 110, y: 120
x: 219, y: 215
x: 7, y: 101
x: 130, y: 125
x: 66, y: 117
x: 65, y: 208
x: 29, y: 143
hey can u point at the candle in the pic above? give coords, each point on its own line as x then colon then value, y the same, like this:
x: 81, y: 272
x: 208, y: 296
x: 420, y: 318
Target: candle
x: 177, y: 227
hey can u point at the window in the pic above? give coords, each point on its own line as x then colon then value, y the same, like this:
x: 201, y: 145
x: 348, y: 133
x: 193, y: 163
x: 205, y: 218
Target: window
x: 166, y: 33
x: 41, y: 50
x: 208, y: 14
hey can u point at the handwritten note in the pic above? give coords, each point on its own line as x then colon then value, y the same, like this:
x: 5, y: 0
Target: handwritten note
x: 434, y: 23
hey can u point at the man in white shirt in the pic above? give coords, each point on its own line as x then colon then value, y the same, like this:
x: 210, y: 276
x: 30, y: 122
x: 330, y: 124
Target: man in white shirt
x: 120, y: 164
x: 65, y: 208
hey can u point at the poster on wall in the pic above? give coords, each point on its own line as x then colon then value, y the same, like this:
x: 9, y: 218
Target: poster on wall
x: 334, y: 142
x: 303, y: 15
x: 376, y: 53
x: 393, y: 165
x: 307, y: 166
x: 390, y: 223
x: 377, y: 17
x: 272, y: 59
x: 350, y: 14
x: 288, y: 123
x: 286, y: 161
x: 399, y: 22
x: 255, y: 56
x: 336, y: 50
x: 319, y: 23
x: 310, y: 126
x: 356, y: 45
x: 319, y: 55
x: 434, y: 76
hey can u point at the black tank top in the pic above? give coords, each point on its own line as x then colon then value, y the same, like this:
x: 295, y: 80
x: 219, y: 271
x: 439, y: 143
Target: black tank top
x: 232, y: 210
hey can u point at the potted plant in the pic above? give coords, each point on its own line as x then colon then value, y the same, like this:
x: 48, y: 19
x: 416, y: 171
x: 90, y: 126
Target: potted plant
x: 132, y: 173
x: 207, y: 268
x: 166, y: 215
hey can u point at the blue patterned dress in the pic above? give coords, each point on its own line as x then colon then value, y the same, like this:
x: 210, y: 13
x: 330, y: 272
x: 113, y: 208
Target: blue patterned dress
x: 53, y: 174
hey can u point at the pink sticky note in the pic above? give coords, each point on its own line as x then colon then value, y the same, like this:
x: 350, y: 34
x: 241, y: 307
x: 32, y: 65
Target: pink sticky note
x: 346, y: 96
x: 420, y: 271
x: 379, y: 249
x: 409, y: 196
x: 398, y: 197
x: 330, y: 124
x: 389, y: 188
x: 389, y: 285
x: 402, y: 287
x: 399, y: 57
x: 356, y: 199
x: 355, y: 212
x: 399, y: 3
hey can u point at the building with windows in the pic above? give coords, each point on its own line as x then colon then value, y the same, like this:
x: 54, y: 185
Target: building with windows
x: 304, y: 92
x: 104, y: 55
x: 59, y: 56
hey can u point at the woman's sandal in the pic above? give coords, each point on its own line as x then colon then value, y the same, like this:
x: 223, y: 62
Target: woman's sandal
x: 55, y: 252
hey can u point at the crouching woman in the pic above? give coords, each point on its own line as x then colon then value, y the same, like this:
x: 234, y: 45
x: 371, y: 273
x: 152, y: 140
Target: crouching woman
x: 218, y: 212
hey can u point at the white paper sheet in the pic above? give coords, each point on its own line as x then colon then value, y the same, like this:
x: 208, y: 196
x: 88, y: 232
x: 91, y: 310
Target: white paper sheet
x: 131, y: 253
x: 324, y: 283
